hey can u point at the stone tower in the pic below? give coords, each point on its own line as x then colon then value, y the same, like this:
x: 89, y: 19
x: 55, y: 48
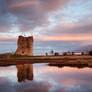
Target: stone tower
x: 25, y: 46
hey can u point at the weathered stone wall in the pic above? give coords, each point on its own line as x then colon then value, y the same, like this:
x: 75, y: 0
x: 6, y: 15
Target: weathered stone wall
x: 25, y: 46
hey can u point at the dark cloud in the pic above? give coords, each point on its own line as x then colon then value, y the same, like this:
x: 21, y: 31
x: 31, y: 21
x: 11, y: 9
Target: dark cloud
x: 29, y: 14
x: 70, y: 29
x: 26, y: 16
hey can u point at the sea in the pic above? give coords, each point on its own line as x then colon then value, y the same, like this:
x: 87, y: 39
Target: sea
x: 44, y: 78
x: 42, y: 47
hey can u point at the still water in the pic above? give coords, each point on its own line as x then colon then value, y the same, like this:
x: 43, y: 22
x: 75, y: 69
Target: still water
x: 44, y: 78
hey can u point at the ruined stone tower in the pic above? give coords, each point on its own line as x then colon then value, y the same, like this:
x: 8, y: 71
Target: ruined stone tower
x: 25, y: 46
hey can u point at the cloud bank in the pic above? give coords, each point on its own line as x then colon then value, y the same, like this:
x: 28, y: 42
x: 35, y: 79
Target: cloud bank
x: 46, y: 20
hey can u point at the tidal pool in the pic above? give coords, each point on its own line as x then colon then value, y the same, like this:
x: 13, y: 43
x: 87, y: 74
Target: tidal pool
x: 44, y: 78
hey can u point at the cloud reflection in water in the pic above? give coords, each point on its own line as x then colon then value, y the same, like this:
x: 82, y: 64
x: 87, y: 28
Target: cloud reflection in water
x: 46, y: 79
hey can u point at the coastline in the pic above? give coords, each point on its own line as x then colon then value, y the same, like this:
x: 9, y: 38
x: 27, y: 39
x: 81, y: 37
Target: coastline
x: 73, y: 60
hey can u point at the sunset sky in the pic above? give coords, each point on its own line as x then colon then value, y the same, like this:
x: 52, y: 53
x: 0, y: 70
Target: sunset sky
x: 46, y: 20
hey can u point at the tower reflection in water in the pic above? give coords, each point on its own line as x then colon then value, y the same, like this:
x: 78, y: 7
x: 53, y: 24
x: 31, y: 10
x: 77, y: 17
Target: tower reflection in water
x: 24, y: 72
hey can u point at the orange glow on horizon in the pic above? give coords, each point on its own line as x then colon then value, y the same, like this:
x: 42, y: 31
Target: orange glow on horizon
x: 53, y: 38
x: 64, y: 38
x: 7, y: 38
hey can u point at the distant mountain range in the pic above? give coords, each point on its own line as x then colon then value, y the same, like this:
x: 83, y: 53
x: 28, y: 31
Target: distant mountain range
x: 84, y: 49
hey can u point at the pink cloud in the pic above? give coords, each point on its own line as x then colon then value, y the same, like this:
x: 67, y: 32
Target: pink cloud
x: 7, y: 38
x: 26, y: 3
x: 73, y: 37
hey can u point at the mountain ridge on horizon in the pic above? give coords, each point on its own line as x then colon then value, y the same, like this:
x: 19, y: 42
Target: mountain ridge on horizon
x: 85, y: 49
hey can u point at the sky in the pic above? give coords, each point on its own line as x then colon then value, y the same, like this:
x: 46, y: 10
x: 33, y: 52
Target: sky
x: 46, y: 20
